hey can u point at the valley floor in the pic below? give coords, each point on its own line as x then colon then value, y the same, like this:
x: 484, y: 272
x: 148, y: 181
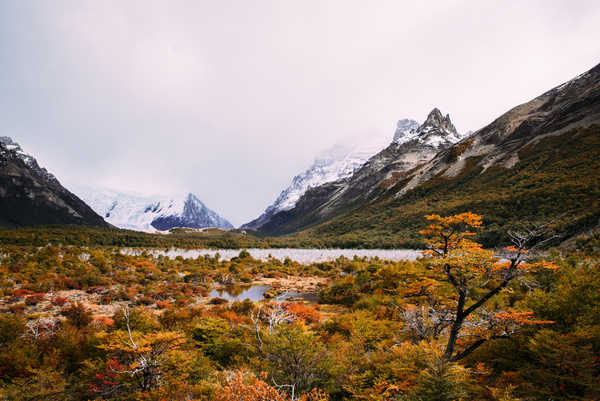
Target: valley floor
x: 79, y: 323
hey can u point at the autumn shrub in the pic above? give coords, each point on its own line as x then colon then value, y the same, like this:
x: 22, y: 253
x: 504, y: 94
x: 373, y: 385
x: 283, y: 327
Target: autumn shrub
x: 17, y: 308
x: 174, y: 317
x: 139, y: 320
x: 77, y: 314
x: 294, y: 355
x: 245, y: 278
x: 218, y: 301
x: 340, y: 292
x: 34, y: 299
x: 11, y: 327
x: 58, y: 301
x: 21, y: 292
x: 243, y: 307
x: 245, y: 386
x: 308, y: 313
x: 214, y: 337
x: 45, y: 383
x: 163, y: 304
x: 441, y: 380
x: 145, y: 300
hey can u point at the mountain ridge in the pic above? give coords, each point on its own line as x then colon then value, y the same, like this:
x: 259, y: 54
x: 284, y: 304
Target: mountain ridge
x: 336, y: 163
x: 152, y: 213
x: 411, y: 146
x: 538, y: 162
x: 31, y: 196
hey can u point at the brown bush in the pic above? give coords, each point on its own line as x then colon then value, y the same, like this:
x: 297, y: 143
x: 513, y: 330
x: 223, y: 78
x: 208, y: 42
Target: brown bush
x: 34, y: 299
x: 78, y: 315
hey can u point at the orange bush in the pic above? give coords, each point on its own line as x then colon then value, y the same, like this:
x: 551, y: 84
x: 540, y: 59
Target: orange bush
x: 59, y: 301
x: 34, y: 299
x: 308, y: 313
x: 243, y: 386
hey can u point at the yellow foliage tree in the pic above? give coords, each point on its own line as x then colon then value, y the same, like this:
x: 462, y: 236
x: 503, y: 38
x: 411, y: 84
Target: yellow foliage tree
x: 477, y: 275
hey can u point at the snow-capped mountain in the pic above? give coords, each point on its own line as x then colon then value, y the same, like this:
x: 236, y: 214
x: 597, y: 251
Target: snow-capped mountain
x: 413, y: 145
x: 335, y: 164
x: 31, y: 196
x: 437, y: 131
x: 332, y: 165
x: 403, y: 129
x: 576, y: 103
x: 143, y: 213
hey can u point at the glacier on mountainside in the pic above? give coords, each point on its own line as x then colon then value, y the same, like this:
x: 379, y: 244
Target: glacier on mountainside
x: 151, y: 213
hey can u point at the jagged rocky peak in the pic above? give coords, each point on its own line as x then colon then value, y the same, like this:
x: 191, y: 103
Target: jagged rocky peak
x: 151, y: 213
x: 336, y: 163
x: 436, y: 119
x: 403, y: 127
x: 437, y: 131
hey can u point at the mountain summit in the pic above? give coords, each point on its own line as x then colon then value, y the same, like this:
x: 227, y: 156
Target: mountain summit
x: 437, y: 131
x: 334, y: 164
x: 404, y: 128
x: 144, y: 213
x: 412, y: 146
x: 194, y: 215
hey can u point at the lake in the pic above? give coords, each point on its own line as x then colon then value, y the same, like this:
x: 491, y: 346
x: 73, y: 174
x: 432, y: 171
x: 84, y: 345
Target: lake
x: 299, y: 255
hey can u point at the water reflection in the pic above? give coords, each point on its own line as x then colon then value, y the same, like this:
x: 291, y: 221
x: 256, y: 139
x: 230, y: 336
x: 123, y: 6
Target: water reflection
x: 299, y: 255
x: 240, y: 293
x: 257, y: 293
x: 309, y: 297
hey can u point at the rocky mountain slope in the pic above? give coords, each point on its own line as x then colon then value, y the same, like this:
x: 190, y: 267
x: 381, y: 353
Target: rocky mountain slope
x: 334, y: 164
x: 538, y: 162
x: 31, y: 196
x: 412, y: 146
x: 142, y: 213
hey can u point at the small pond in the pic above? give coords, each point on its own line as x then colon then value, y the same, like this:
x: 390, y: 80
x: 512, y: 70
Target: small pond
x: 238, y: 293
x: 256, y: 293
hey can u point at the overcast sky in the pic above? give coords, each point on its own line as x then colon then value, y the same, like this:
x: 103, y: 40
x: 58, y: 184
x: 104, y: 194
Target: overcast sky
x: 231, y: 99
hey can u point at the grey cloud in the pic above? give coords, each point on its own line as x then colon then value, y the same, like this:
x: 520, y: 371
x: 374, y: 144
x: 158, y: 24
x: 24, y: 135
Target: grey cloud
x: 230, y: 99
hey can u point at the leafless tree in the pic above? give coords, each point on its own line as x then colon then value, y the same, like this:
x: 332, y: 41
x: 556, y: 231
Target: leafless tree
x: 270, y: 316
x: 41, y: 328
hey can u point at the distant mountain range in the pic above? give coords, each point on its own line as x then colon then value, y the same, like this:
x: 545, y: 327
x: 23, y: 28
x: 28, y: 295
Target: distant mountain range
x: 31, y: 196
x: 143, y: 213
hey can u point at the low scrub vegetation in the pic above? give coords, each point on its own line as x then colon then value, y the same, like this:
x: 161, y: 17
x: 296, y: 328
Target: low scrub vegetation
x: 461, y: 323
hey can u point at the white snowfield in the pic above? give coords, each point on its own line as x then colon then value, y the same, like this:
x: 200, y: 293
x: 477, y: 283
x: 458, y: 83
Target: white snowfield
x: 137, y: 212
x: 342, y: 161
x: 334, y: 164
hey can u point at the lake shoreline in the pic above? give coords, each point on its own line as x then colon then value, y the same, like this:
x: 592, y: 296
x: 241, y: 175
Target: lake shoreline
x: 301, y: 255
